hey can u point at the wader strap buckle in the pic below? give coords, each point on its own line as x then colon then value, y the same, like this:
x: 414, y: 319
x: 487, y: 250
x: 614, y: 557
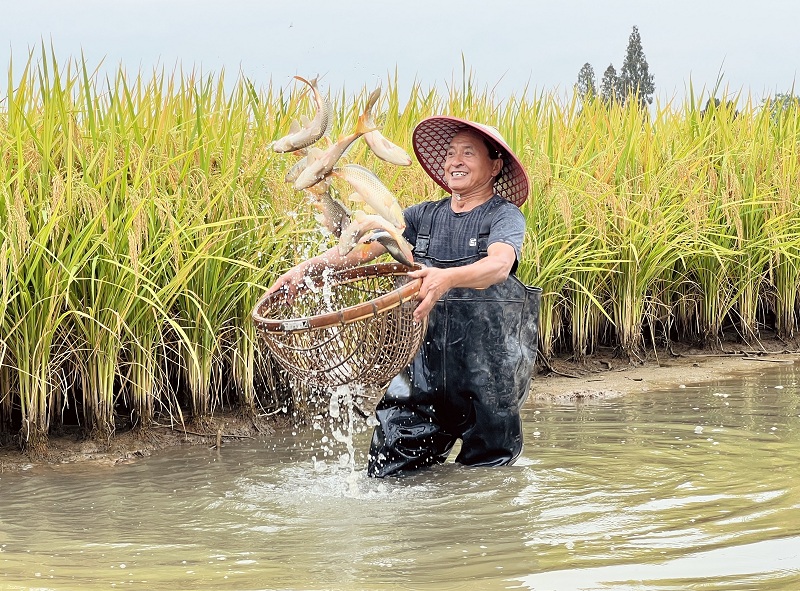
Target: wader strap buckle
x: 424, y: 233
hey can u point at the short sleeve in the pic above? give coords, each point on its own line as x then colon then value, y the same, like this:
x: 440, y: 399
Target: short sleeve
x: 508, y: 227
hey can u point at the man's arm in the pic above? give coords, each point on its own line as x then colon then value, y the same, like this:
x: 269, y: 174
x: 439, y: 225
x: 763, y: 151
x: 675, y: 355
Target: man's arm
x: 363, y: 253
x: 493, y: 268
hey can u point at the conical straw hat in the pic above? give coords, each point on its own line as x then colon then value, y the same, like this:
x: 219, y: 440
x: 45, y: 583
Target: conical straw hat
x: 432, y: 138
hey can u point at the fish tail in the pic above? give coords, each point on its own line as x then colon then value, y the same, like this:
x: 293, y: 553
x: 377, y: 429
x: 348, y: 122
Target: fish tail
x: 301, y: 79
x: 365, y: 124
x: 312, y: 84
x: 373, y: 98
x: 366, y: 121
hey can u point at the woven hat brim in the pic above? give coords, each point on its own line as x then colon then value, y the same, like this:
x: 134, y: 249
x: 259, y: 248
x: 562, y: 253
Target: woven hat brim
x: 431, y: 140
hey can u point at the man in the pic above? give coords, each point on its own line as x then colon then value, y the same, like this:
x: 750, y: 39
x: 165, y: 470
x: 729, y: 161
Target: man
x: 472, y: 373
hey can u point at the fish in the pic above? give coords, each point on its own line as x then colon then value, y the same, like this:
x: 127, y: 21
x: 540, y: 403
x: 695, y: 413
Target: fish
x: 295, y: 170
x: 399, y: 250
x: 382, y: 147
x: 386, y: 150
x: 320, y: 188
x: 302, y: 136
x: 333, y: 215
x: 320, y: 163
x: 361, y: 223
x: 370, y: 190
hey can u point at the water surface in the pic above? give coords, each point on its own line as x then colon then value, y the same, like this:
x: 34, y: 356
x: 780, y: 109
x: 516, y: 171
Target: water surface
x: 692, y: 488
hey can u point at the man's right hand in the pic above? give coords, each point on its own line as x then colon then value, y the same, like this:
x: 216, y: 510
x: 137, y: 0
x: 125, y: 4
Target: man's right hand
x: 289, y: 283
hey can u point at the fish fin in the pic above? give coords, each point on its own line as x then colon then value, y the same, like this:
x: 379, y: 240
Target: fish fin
x: 370, y: 236
x: 294, y: 126
x: 356, y: 197
x: 305, y: 121
x: 313, y: 155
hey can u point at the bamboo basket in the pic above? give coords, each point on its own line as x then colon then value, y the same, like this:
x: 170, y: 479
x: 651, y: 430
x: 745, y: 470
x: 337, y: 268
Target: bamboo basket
x: 342, y: 327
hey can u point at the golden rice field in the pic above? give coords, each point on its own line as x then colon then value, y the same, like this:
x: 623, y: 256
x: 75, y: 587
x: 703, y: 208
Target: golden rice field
x: 141, y: 216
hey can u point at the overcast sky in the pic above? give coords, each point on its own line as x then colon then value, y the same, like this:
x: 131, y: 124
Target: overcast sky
x: 754, y: 46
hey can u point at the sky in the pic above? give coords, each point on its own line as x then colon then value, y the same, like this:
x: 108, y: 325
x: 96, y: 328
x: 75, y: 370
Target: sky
x: 509, y: 46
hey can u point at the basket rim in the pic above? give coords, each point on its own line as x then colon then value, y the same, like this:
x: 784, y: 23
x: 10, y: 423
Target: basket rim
x: 350, y: 314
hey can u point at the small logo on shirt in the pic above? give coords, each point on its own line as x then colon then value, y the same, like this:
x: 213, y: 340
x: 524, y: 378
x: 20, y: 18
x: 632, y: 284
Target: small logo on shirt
x: 473, y: 241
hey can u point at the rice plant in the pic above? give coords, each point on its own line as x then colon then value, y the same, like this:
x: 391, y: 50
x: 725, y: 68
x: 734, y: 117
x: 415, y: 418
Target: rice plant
x: 142, y: 215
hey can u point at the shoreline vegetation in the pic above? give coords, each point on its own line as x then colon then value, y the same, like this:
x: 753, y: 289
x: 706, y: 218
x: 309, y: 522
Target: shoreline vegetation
x: 141, y: 217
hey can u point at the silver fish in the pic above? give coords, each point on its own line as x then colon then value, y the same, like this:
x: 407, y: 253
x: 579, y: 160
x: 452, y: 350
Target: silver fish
x: 400, y: 251
x: 386, y: 150
x: 306, y: 135
x: 372, y: 192
x: 382, y: 147
x: 295, y: 170
x: 362, y: 223
x: 333, y: 215
x: 321, y: 163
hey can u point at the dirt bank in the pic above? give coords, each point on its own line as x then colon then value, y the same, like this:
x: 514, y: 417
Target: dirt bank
x: 604, y: 374
x: 72, y: 447
x: 609, y: 374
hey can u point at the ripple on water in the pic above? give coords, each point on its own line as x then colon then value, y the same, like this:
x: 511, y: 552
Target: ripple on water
x: 606, y: 494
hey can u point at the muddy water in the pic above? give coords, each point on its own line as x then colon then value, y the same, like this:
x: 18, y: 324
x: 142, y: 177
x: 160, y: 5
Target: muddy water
x: 693, y: 488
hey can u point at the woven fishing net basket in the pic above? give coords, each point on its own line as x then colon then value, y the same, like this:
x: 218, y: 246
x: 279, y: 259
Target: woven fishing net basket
x: 342, y: 327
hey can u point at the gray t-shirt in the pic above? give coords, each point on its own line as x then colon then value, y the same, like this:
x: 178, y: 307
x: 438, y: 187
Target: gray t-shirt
x: 452, y: 232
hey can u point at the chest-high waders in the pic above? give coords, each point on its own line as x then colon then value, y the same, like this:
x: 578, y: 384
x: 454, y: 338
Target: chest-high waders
x: 469, y: 379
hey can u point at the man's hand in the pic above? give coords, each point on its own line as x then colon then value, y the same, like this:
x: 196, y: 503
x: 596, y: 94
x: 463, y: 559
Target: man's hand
x: 493, y: 268
x: 289, y: 282
x: 435, y: 283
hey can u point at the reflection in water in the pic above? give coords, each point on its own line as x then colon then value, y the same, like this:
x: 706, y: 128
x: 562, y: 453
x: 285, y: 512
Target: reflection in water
x: 691, y: 488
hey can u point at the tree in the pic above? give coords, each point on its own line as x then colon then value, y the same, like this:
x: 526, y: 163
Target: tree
x: 780, y: 104
x: 609, y: 85
x: 714, y: 105
x: 635, y: 79
x: 585, y: 87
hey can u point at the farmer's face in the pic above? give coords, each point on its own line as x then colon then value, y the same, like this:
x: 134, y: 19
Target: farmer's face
x: 467, y: 166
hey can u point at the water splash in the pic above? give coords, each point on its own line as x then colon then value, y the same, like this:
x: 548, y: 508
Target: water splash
x: 339, y: 422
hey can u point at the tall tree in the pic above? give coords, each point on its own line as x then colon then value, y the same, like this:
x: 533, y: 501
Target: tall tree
x: 635, y: 79
x: 609, y: 85
x: 585, y: 87
x: 779, y: 105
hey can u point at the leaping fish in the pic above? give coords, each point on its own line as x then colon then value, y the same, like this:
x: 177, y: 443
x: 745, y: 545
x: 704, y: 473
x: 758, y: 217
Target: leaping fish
x: 362, y: 223
x: 400, y: 250
x: 333, y: 215
x: 303, y: 136
x: 320, y: 163
x: 296, y: 169
x: 386, y: 150
x: 372, y: 192
x: 382, y: 147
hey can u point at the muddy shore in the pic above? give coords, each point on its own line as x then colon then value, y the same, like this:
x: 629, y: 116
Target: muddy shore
x: 605, y: 374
